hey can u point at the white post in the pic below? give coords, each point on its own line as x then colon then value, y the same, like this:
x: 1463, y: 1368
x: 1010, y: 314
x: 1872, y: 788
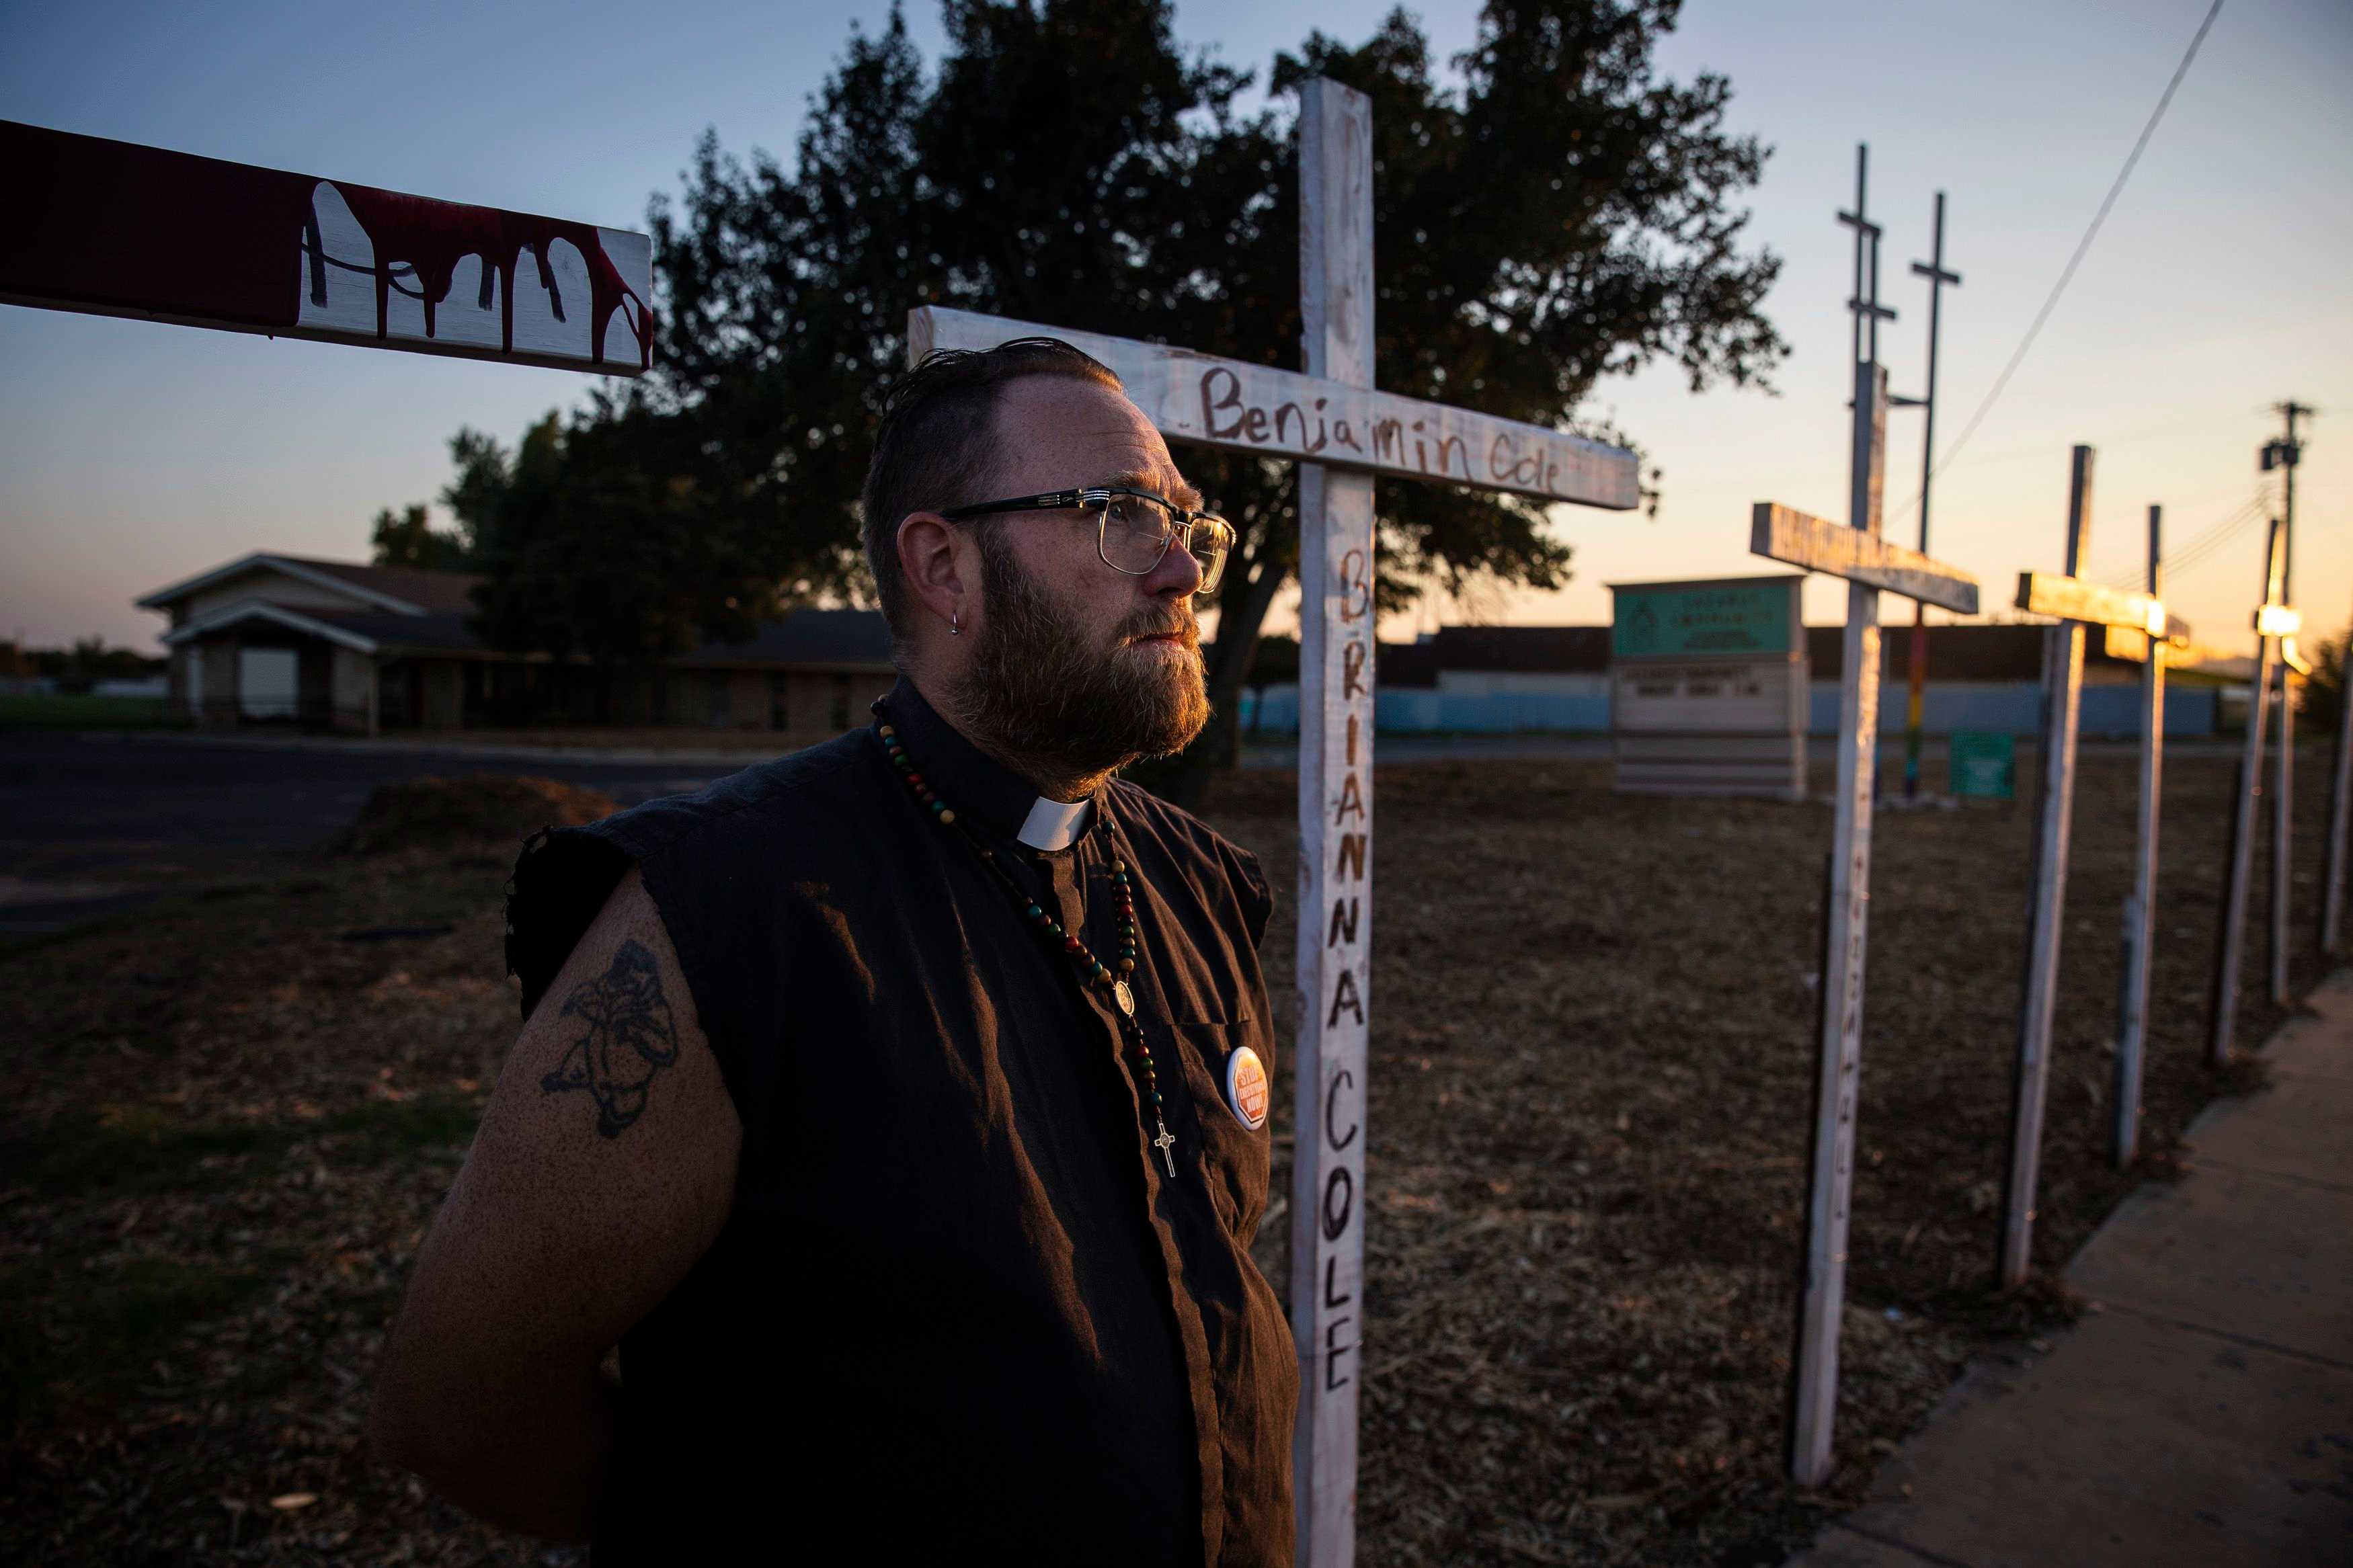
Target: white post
x: 2283, y: 835
x: 2063, y: 685
x: 1822, y: 1291
x: 2222, y: 1020
x: 1336, y: 825
x: 2332, y: 886
x: 2140, y: 908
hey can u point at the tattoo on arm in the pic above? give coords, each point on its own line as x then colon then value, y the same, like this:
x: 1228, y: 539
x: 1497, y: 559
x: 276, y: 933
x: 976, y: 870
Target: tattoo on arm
x: 629, y: 1039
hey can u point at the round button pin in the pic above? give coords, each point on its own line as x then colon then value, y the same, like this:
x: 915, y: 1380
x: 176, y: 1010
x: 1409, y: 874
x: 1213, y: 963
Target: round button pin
x: 1246, y: 1089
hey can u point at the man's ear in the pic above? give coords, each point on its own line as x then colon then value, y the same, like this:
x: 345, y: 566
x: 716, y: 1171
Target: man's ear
x: 931, y: 565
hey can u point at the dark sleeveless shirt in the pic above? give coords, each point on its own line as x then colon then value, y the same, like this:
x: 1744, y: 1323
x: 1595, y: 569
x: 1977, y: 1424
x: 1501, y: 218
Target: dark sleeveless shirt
x: 959, y: 1311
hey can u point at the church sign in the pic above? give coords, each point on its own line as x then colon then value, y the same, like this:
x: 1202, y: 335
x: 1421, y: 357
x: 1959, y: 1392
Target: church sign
x: 1708, y: 687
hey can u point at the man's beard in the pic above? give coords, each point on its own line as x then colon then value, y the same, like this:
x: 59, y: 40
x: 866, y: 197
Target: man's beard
x: 1040, y: 690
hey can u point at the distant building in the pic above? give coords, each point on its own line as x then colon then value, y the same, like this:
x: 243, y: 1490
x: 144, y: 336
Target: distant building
x: 1501, y: 680
x: 334, y: 645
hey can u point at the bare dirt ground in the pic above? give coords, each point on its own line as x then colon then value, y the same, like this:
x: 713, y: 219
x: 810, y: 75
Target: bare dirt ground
x: 233, y: 1112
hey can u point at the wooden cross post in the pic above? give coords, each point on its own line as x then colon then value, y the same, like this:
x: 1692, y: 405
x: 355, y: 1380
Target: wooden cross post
x: 1870, y: 565
x: 2063, y: 691
x: 109, y: 228
x: 2291, y: 670
x: 1344, y: 433
x: 2077, y: 604
x: 1336, y: 707
x: 2340, y: 822
x: 2140, y: 906
x: 2273, y: 621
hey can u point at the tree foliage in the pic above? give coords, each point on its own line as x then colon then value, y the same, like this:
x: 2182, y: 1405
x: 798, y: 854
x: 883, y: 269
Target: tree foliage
x: 1551, y: 211
x: 597, y: 536
x: 409, y: 539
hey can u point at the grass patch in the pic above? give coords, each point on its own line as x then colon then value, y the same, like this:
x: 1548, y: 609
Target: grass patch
x: 383, y: 1130
x: 62, y: 712
x: 74, y: 1335
x: 134, y: 1150
x: 128, y: 1151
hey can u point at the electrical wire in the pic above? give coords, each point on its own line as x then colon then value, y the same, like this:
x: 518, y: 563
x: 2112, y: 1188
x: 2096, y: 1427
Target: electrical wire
x: 2183, y: 560
x: 2082, y: 247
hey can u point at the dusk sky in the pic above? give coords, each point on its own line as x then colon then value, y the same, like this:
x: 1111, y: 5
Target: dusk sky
x: 134, y: 453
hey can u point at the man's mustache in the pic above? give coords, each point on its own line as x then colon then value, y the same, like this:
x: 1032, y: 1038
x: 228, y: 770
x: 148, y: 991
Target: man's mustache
x: 1184, y: 628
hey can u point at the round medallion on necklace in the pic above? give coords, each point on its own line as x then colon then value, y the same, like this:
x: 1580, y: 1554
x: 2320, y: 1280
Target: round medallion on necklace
x: 1123, y: 996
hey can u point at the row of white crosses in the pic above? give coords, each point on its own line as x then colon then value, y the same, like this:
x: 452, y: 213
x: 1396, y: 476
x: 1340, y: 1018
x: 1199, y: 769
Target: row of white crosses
x: 1342, y: 433
x: 1872, y: 565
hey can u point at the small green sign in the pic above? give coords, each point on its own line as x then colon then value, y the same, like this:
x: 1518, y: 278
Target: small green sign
x: 1983, y: 765
x: 1707, y: 620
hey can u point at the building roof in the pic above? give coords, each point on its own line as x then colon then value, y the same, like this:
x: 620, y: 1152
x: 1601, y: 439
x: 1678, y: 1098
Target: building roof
x: 2012, y: 652
x: 444, y: 631
x: 1970, y: 652
x: 855, y: 639
x: 1562, y: 649
x: 401, y: 590
x: 428, y: 590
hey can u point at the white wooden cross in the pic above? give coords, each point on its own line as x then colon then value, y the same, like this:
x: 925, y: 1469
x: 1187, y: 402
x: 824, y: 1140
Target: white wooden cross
x: 2140, y: 906
x: 2293, y: 670
x: 2275, y: 627
x: 109, y: 229
x: 2076, y: 604
x: 1345, y: 433
x: 1871, y: 565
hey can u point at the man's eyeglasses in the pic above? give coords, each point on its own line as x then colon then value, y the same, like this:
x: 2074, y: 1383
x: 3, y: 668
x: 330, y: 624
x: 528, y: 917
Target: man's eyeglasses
x: 1133, y: 528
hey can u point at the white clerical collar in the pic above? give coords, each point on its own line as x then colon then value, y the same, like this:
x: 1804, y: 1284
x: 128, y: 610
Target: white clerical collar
x: 1052, y: 825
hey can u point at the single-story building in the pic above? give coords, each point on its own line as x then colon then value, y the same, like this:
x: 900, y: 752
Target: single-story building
x: 1470, y: 680
x: 334, y: 645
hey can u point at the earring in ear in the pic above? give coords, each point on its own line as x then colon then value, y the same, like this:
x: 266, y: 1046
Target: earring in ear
x: 955, y: 622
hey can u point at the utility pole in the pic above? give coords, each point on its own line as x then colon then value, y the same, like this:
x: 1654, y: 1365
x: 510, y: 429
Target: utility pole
x: 1934, y: 273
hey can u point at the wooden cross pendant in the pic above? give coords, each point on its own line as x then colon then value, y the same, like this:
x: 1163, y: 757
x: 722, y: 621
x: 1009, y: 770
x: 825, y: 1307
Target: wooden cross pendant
x: 1165, y: 1142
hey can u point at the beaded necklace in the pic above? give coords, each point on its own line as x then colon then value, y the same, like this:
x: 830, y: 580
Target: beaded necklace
x: 1092, y: 970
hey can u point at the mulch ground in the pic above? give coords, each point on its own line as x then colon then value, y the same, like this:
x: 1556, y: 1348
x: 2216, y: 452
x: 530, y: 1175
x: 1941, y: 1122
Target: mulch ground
x: 233, y: 1113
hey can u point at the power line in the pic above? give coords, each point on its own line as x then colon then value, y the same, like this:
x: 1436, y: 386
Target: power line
x: 2181, y: 561
x: 2083, y: 246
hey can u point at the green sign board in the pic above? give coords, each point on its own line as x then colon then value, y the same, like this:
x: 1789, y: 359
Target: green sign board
x: 1983, y: 765
x: 1704, y: 620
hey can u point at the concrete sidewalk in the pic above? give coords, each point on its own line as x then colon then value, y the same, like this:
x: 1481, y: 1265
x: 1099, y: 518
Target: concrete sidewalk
x: 2203, y: 1416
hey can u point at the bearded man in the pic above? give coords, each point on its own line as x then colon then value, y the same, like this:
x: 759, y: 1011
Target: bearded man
x: 897, y: 1108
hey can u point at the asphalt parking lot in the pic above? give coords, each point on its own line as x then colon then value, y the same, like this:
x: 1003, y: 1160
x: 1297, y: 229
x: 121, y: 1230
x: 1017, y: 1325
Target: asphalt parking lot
x: 89, y: 824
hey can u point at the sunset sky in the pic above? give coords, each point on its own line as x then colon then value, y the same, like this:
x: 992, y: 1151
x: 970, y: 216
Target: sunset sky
x: 134, y: 453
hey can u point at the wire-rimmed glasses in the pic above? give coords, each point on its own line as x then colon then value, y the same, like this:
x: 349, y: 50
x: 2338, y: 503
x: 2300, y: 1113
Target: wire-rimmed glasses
x: 1134, y: 529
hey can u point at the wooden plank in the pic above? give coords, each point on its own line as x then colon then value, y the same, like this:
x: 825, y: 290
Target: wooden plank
x: 1208, y: 401
x: 2131, y: 644
x: 2277, y: 621
x: 2140, y: 905
x: 1784, y: 533
x: 2073, y: 599
x: 2332, y: 882
x: 1335, y: 836
x: 2062, y: 689
x: 2283, y: 825
x: 111, y: 228
x: 1839, y: 1060
x: 2222, y: 1004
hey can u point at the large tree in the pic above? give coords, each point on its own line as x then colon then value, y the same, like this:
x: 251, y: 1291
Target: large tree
x: 1552, y: 212
x: 408, y: 538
